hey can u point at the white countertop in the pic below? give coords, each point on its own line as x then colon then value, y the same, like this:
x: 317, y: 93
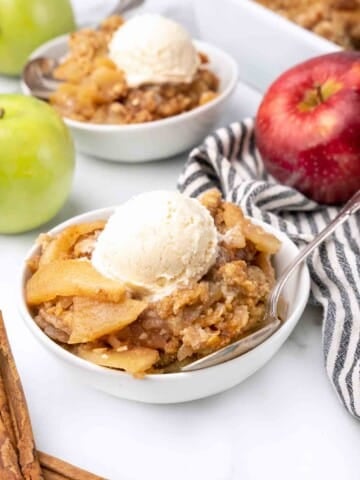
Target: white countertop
x: 284, y: 422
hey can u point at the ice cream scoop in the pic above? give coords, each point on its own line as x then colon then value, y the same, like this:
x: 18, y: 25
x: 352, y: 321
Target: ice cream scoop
x: 152, y: 49
x: 158, y: 241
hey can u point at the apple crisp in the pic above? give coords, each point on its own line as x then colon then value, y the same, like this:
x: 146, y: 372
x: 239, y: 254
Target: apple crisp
x: 109, y: 324
x: 336, y: 20
x: 94, y: 90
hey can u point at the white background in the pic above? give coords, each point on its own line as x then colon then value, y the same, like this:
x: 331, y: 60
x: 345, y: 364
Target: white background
x: 285, y: 422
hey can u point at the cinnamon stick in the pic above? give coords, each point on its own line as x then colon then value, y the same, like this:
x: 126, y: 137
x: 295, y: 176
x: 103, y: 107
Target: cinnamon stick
x: 22, y: 430
x: 55, y: 465
x: 49, y: 475
x: 5, y: 414
x: 19, y: 459
x: 9, y: 466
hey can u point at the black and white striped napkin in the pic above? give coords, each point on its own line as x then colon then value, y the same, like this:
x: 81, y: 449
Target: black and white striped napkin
x: 228, y: 159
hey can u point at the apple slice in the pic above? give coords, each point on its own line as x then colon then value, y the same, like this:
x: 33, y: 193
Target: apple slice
x: 91, y: 319
x: 59, y: 246
x: 136, y: 360
x: 66, y: 278
x: 263, y: 241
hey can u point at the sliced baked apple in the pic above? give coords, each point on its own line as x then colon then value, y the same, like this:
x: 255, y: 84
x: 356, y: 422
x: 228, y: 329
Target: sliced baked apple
x: 66, y: 278
x: 60, y: 246
x: 263, y: 241
x: 91, y: 319
x: 135, y: 360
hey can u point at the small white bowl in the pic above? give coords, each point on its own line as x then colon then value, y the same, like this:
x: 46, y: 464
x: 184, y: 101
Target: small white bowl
x: 155, y: 140
x: 178, y: 387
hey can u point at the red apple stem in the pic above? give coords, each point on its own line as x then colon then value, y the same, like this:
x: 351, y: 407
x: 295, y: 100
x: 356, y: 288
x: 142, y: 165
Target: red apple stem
x: 2, y: 112
x: 319, y: 93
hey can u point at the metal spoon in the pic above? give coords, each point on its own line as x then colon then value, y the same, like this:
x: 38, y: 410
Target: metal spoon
x: 37, y: 75
x: 125, y: 5
x: 271, y: 316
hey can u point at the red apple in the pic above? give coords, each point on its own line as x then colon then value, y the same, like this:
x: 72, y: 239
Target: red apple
x: 308, y: 127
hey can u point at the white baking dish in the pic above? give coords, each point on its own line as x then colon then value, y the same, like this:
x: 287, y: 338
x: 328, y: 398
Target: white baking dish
x: 263, y: 43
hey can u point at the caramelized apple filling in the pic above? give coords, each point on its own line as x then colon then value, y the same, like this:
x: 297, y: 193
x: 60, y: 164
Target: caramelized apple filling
x: 335, y: 20
x: 94, y: 90
x: 105, y: 323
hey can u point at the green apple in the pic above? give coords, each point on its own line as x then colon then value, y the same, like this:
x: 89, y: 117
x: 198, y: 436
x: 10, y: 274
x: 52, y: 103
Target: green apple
x: 36, y: 163
x: 26, y: 24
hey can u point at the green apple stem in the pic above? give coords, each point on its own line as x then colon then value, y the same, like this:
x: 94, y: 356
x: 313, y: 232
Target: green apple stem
x: 2, y: 112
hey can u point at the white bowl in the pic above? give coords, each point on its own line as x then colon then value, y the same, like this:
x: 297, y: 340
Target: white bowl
x: 152, y: 140
x: 178, y: 387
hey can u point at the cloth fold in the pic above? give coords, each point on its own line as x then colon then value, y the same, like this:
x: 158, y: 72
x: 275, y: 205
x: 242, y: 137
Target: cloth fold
x: 228, y: 159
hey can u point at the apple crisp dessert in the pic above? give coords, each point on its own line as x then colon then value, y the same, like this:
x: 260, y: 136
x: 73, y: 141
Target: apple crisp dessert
x: 94, y: 89
x: 336, y: 20
x: 105, y: 322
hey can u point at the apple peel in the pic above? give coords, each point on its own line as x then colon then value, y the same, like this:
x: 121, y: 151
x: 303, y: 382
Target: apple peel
x: 66, y: 278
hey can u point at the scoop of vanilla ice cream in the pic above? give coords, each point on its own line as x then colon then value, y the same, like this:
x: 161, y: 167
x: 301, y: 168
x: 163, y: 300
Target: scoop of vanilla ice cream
x: 152, y: 49
x: 158, y: 241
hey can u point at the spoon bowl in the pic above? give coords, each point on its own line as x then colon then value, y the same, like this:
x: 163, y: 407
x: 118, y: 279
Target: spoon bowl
x: 37, y: 75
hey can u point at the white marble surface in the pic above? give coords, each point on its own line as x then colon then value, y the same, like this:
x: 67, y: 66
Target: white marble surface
x: 284, y: 422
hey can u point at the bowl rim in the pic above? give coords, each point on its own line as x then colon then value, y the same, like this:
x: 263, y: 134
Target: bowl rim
x: 99, y: 127
x: 74, y: 360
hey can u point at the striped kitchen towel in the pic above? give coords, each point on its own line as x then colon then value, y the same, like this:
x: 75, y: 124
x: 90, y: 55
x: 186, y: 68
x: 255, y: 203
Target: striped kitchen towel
x: 229, y: 160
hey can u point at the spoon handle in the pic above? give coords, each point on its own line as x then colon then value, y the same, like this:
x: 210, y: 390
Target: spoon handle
x: 121, y: 7
x: 124, y: 5
x: 235, y: 349
x: 352, y: 206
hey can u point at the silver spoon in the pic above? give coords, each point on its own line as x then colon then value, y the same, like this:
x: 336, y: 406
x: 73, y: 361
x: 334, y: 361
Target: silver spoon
x: 125, y: 5
x: 37, y: 75
x: 271, y: 316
